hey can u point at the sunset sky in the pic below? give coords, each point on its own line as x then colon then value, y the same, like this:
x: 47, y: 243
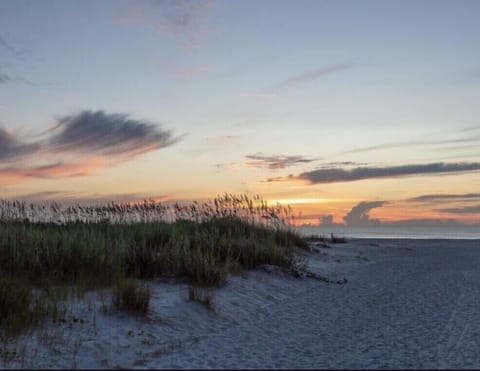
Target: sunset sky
x: 360, y: 110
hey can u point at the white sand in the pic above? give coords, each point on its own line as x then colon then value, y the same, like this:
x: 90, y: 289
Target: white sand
x: 407, y: 304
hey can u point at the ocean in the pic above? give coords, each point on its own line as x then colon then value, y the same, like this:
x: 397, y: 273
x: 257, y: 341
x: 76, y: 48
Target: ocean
x: 417, y: 232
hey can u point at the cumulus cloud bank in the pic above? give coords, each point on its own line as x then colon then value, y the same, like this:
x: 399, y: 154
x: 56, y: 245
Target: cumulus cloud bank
x: 358, y: 215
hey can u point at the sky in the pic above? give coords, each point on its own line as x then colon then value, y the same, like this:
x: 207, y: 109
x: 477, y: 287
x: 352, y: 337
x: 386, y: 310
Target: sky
x: 352, y: 112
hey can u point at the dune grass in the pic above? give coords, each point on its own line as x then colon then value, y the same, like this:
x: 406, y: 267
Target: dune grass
x: 86, y: 248
x: 130, y: 295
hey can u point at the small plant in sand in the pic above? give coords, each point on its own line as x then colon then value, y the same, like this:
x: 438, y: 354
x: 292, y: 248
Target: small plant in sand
x: 202, y: 296
x: 132, y: 296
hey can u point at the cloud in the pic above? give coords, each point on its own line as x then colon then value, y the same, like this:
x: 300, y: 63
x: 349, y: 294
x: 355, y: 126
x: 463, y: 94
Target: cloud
x: 180, y: 19
x: 333, y: 175
x: 12, y: 149
x: 275, y: 161
x: 6, y: 46
x: 272, y: 162
x: 51, y: 171
x: 343, y: 163
x: 222, y: 139
x: 97, y: 132
x: 264, y: 96
x: 4, y: 78
x: 81, y: 198
x: 411, y: 144
x: 87, y: 142
x: 471, y: 128
x: 425, y: 222
x: 192, y: 71
x: 444, y: 197
x: 358, y: 215
x: 310, y: 76
x: 462, y: 210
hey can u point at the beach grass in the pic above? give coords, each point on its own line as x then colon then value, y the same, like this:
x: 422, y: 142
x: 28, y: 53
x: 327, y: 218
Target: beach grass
x: 115, y: 246
x: 131, y: 295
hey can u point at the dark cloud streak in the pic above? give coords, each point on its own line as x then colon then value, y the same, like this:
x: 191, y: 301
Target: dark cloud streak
x: 97, y: 132
x: 334, y: 175
x: 276, y: 161
x: 462, y: 210
x: 444, y: 197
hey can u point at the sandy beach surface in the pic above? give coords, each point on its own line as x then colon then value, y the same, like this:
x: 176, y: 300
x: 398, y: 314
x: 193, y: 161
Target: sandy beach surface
x: 407, y: 304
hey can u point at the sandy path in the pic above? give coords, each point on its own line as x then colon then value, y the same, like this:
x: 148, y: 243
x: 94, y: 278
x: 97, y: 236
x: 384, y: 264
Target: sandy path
x: 415, y: 308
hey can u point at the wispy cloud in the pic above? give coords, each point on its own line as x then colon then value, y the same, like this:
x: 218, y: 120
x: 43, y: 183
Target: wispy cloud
x: 358, y: 216
x: 471, y: 128
x: 342, y: 163
x: 7, y: 46
x: 272, y: 162
x: 462, y: 210
x: 4, y: 78
x: 192, y: 71
x: 411, y: 144
x: 275, y: 162
x: 264, y: 96
x: 222, y: 139
x: 445, y: 197
x: 334, y: 175
x: 310, y: 76
x: 82, y: 198
x: 180, y: 19
x: 7, y: 78
x: 51, y: 171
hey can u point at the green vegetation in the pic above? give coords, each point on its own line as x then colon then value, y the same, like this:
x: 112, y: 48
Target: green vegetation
x: 131, y: 296
x: 85, y: 248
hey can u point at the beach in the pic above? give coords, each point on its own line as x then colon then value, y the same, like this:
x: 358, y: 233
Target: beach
x: 404, y: 303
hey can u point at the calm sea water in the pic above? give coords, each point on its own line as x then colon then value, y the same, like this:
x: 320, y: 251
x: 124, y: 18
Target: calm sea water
x: 463, y: 232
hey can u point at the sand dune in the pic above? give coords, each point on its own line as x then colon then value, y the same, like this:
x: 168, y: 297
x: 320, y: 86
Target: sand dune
x: 407, y: 304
